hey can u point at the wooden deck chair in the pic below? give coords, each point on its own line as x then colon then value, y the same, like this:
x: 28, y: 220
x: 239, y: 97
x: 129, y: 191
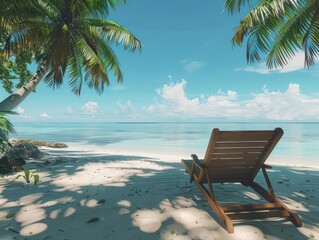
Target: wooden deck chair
x: 237, y: 156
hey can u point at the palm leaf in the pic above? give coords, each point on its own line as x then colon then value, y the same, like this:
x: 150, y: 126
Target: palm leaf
x: 310, y: 41
x: 235, y: 5
x: 116, y: 33
x: 5, y: 124
x: 288, y: 38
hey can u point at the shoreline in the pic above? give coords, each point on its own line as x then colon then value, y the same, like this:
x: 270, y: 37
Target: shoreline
x: 85, y: 193
x: 169, y: 156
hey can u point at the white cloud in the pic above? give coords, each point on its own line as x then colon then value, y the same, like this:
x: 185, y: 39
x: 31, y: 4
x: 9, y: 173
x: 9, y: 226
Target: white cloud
x: 45, y: 115
x: 90, y: 108
x: 20, y: 110
x: 21, y: 114
x: 290, y: 104
x: 192, y: 65
x: 174, y: 96
x: 69, y: 110
x: 126, y: 108
x: 294, y: 64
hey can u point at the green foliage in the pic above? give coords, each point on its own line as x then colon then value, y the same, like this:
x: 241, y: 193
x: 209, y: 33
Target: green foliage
x: 28, y: 175
x: 279, y: 29
x: 14, y: 72
x: 5, y: 128
x: 74, y: 37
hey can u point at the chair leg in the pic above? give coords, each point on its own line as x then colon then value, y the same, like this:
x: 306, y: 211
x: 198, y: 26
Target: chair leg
x: 293, y: 216
x: 210, y: 185
x: 216, y: 207
x: 191, y: 175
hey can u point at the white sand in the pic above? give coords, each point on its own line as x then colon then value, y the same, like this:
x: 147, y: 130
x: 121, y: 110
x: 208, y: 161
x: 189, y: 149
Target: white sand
x: 136, y: 197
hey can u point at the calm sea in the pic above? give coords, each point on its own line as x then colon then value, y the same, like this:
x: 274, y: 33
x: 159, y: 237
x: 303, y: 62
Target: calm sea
x: 299, y: 145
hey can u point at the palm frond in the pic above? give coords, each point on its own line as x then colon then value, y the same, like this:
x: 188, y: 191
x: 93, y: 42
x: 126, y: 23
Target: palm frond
x: 116, y: 33
x: 288, y: 38
x: 264, y: 12
x: 29, y: 36
x: 95, y: 68
x: 5, y: 124
x: 235, y: 5
x: 106, y: 52
x: 75, y: 70
x: 310, y: 42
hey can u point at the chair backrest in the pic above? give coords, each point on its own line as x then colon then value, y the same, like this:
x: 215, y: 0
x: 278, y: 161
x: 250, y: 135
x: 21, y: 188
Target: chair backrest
x: 237, y: 156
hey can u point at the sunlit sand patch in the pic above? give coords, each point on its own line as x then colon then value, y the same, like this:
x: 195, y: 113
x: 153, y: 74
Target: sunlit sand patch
x: 49, y: 203
x: 10, y: 204
x: 3, y: 200
x: 191, y: 216
x: 4, y: 214
x: 31, y: 198
x: 252, y: 195
x: 124, y: 203
x: 175, y: 231
x: 57, y: 201
x: 165, y: 204
x: 89, y: 203
x: 294, y: 205
x: 33, y: 229
x: 119, y: 184
x: 124, y: 211
x: 95, y: 174
x: 55, y: 213
x: 145, y: 174
x: 249, y: 232
x: 299, y: 194
x: 182, y: 202
x: 70, y: 211
x: 148, y: 221
x: 30, y: 214
x: 297, y: 172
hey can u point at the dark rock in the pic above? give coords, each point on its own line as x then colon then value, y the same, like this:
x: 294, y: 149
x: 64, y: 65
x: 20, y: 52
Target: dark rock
x: 57, y: 145
x: 24, y: 151
x: 39, y: 143
x: 10, y: 165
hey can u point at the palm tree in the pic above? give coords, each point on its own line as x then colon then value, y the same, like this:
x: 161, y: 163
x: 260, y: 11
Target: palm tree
x: 279, y: 29
x: 74, y: 38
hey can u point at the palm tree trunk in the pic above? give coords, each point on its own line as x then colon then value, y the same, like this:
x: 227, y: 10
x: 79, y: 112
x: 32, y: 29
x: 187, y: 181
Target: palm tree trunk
x: 16, y: 98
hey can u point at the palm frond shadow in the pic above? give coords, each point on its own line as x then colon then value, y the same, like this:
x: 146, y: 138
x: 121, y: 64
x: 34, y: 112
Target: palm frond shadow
x: 114, y: 197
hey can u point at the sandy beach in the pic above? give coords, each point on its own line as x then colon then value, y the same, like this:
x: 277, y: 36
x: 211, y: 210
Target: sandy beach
x: 86, y: 194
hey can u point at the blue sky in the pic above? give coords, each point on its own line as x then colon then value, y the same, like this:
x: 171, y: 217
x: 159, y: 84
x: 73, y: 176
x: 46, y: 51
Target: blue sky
x: 187, y: 71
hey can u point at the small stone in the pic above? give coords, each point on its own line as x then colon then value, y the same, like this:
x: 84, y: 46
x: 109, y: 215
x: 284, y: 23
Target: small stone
x: 95, y: 219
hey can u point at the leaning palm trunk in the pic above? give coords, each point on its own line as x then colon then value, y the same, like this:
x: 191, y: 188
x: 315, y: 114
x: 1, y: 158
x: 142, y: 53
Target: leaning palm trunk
x: 16, y: 98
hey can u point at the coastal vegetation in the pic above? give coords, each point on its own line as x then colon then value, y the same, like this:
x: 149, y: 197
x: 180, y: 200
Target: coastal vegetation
x: 278, y: 29
x: 5, y: 127
x: 69, y: 38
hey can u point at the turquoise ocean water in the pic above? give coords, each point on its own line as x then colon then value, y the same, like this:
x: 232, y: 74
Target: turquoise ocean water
x: 299, y: 145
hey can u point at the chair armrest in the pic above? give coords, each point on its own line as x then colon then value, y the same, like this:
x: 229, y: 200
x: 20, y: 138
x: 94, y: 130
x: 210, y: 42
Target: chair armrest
x: 266, y: 166
x: 197, y: 162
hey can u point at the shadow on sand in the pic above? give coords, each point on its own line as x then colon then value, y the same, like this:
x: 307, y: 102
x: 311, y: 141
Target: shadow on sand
x: 90, y: 196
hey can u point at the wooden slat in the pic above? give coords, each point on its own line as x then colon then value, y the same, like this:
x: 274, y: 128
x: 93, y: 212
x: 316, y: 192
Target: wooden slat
x: 239, y: 150
x: 257, y: 215
x: 251, y: 207
x: 220, y: 167
x: 241, y: 144
x: 239, y: 171
x: 233, y: 163
x: 245, y: 135
x: 235, y: 155
x: 277, y: 134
